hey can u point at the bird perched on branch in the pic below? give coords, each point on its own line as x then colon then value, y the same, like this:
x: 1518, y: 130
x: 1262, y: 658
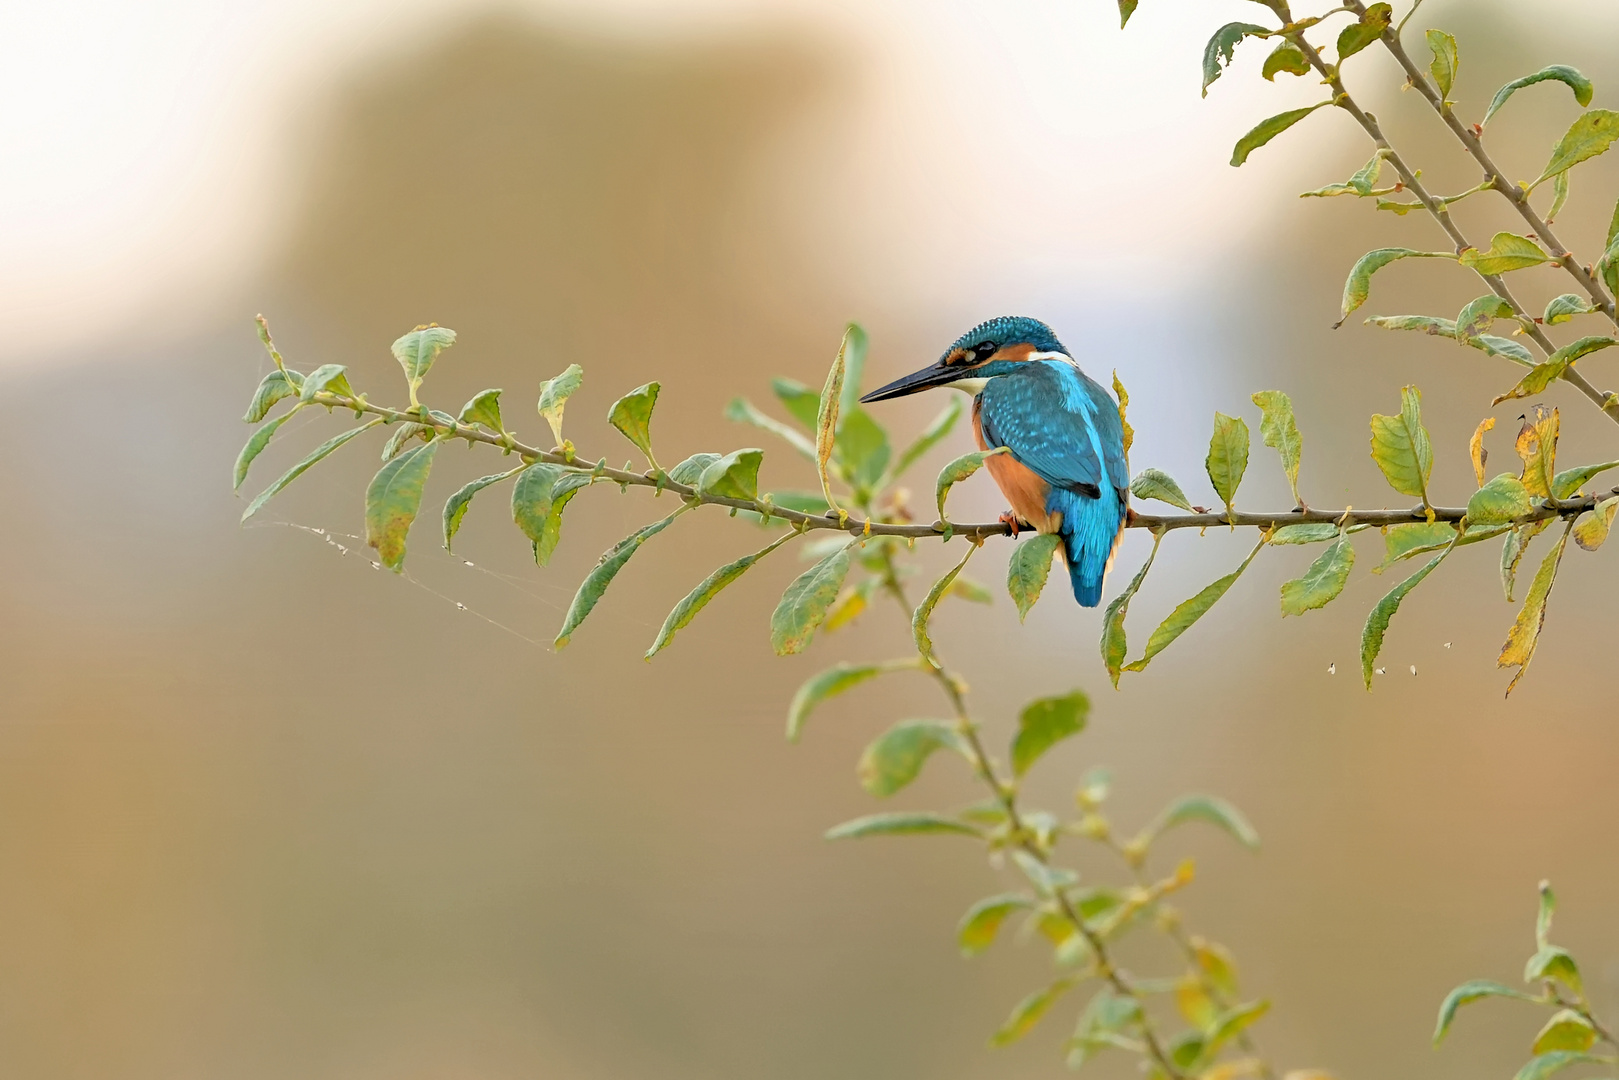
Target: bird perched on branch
x: 1064, y: 471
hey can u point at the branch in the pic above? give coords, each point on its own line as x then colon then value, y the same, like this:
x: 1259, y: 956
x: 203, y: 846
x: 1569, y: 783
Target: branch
x: 660, y: 481
x: 1434, y: 206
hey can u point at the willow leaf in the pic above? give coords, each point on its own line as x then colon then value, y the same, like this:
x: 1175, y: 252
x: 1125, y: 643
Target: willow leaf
x: 1188, y: 612
x: 602, y: 575
x: 694, y: 601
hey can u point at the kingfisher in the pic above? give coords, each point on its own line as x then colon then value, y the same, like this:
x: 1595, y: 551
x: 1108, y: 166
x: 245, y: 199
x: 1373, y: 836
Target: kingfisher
x: 1064, y: 470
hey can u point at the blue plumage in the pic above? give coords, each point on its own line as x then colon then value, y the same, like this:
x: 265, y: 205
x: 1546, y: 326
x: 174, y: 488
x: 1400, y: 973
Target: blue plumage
x: 1065, y: 428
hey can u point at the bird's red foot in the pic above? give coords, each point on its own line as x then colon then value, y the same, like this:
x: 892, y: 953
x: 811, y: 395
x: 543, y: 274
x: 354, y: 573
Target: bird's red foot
x: 1010, y: 520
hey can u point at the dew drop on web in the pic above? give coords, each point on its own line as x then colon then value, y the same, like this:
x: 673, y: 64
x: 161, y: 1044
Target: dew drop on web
x: 1332, y: 668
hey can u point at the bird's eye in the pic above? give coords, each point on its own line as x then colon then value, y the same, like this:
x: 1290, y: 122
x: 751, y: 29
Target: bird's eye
x: 986, y: 349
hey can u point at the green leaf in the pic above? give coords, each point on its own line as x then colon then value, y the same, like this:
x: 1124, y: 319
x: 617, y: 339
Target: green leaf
x: 1188, y: 612
x: 602, y: 575
x: 1544, y: 1065
x: 1499, y: 346
x: 832, y: 682
x: 455, y: 507
x: 1217, y: 965
x: 802, y: 402
x: 1281, y: 433
x: 1543, y: 375
x: 1401, y: 448
x: 1377, y: 623
x: 1428, y: 324
x: 255, y: 445
x: 1569, y: 481
x: 1608, y: 266
x: 1322, y: 582
x: 690, y: 471
x: 1228, y: 456
x: 1358, y: 286
x: 924, y: 610
x: 931, y: 436
x: 1592, y: 530
x: 1286, y: 57
x: 1307, y: 533
x: 743, y: 412
x: 1232, y: 1023
x: 1114, y: 642
x: 1560, y: 72
x: 1466, y: 994
x: 803, y: 606
x: 854, y: 371
x: 1560, y: 187
x: 316, y: 456
x: 1566, y: 1031
x: 1028, y: 1012
x: 392, y: 501
x: 417, y: 350
x: 1403, y: 541
x: 694, y: 601
x: 272, y: 388
x: 1154, y: 484
x: 971, y: 591
x: 1027, y: 569
x: 1043, y: 724
x: 897, y: 756
x: 1478, y: 315
x: 484, y: 408
x: 904, y: 823
x: 1222, y: 49
x: 1267, y: 130
x: 538, y: 499
x: 1446, y: 60
x: 1207, y: 809
x: 405, y: 432
x: 1357, y: 35
x: 1103, y: 1024
x: 1550, y: 962
x: 861, y: 449
x: 1543, y: 914
x: 983, y: 920
x: 1360, y: 185
x: 1587, y: 137
x: 734, y: 476
x: 332, y: 378
x: 1502, y: 500
x: 1565, y: 307
x: 632, y: 416
x: 1513, y: 551
x: 958, y: 470
x: 554, y: 395
x: 1127, y: 8
x: 1508, y: 252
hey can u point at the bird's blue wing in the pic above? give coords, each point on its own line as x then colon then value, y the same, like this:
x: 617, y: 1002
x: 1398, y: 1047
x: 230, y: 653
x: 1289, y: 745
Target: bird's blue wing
x: 1059, y: 423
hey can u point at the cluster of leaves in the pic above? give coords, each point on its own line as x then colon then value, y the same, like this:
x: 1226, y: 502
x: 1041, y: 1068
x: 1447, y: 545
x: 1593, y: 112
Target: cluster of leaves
x: 1572, y: 1031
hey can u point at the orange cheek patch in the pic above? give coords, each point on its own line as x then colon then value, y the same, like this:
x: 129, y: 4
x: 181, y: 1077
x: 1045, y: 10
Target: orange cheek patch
x: 1021, y: 351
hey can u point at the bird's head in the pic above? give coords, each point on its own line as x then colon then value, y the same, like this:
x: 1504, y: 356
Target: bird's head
x: 989, y: 349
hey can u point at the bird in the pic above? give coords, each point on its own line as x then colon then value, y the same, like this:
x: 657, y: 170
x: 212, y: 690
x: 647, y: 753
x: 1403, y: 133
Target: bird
x: 1064, y: 471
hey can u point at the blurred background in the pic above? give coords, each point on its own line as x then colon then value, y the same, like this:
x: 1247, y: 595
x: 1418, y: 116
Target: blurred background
x: 266, y: 812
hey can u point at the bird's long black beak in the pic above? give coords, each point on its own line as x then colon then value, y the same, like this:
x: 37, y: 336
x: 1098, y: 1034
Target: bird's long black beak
x: 929, y: 377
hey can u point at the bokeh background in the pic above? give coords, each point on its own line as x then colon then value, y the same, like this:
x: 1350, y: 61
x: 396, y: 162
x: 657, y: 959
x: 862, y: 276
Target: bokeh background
x: 266, y: 812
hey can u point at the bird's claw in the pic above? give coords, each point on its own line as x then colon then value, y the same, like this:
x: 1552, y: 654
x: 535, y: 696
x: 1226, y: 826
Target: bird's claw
x: 1010, y: 520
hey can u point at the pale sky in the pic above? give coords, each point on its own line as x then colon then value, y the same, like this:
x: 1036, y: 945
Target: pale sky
x: 141, y: 174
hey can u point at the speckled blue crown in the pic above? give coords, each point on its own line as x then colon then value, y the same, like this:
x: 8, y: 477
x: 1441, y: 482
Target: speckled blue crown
x: 1009, y: 330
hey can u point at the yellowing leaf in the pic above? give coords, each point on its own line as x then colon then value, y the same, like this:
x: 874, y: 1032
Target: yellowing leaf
x: 417, y: 350
x: 1228, y: 456
x: 1124, y: 425
x: 1566, y: 1030
x: 330, y: 378
x: 1543, y: 375
x: 826, y: 416
x: 1537, y: 446
x: 392, y: 501
x: 1401, y: 448
x: 1445, y: 61
x: 1563, y: 308
x: 1357, y: 35
x: 1593, y: 528
x: 1268, y: 129
x: 1323, y: 581
x: 1478, y: 315
x: 1028, y: 1012
x: 1400, y: 542
x: 1587, y: 137
x: 1579, y: 84
x: 983, y: 920
x: 1524, y: 636
x: 1028, y: 568
x: 1286, y: 57
x: 484, y: 408
x: 1281, y: 434
x: 1044, y: 723
x: 632, y: 416
x: 554, y: 395
x: 1508, y: 252
x: 1358, y: 286
x: 1475, y: 448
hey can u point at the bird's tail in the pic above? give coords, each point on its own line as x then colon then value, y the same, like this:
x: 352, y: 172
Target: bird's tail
x: 1091, y: 530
